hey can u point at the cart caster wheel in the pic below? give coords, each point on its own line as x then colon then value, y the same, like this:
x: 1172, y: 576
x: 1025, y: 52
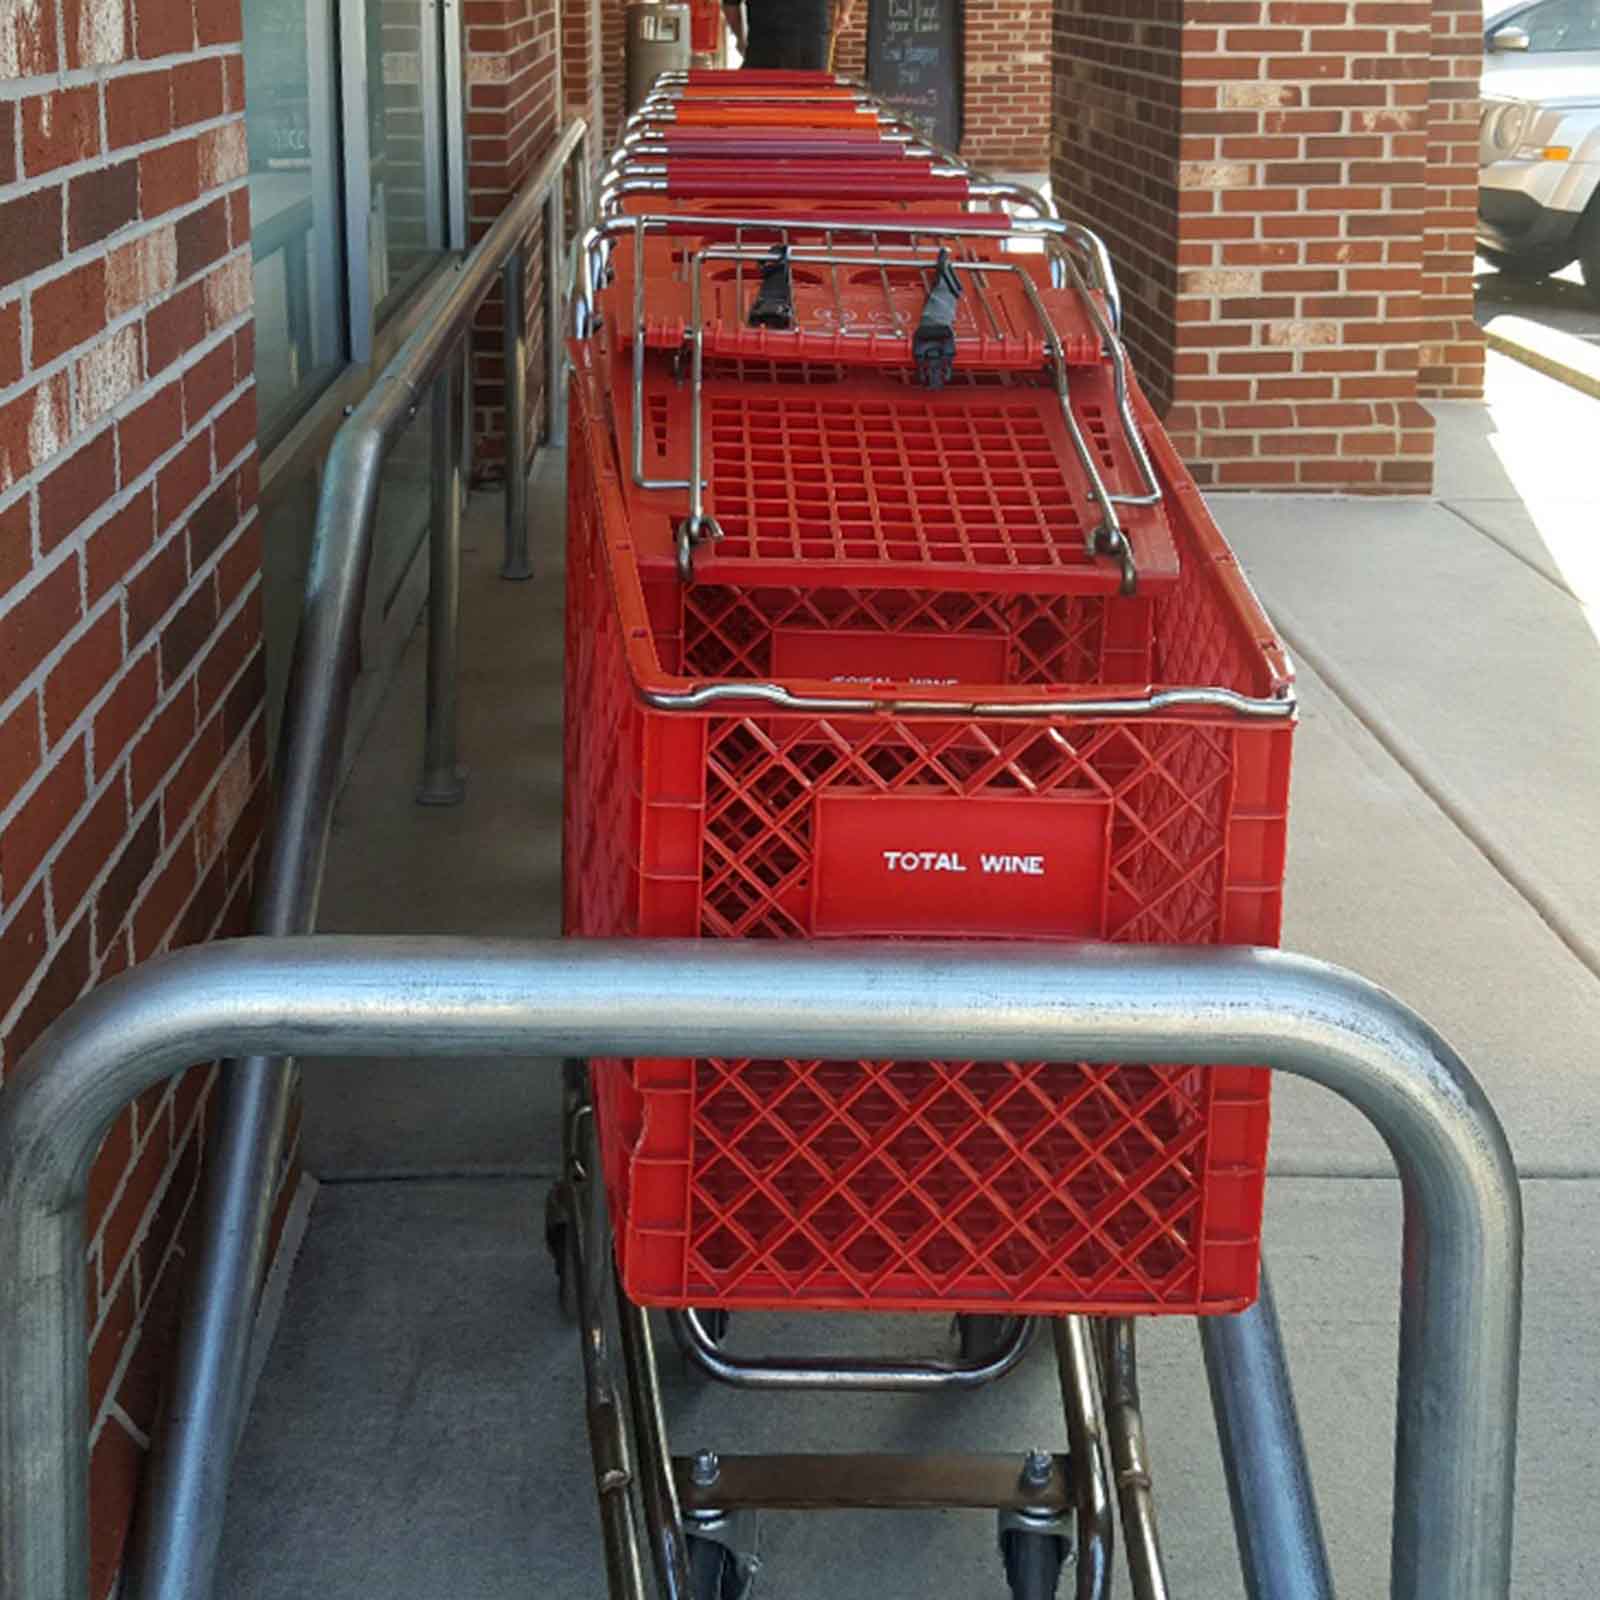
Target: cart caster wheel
x: 560, y: 1240
x: 714, y: 1571
x: 979, y: 1335
x: 1033, y: 1563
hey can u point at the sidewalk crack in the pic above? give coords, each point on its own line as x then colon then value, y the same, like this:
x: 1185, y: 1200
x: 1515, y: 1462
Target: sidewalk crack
x: 1509, y: 548
x: 1566, y: 930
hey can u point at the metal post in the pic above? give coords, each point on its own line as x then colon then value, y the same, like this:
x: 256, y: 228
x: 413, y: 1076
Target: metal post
x: 1461, y: 1258
x: 585, y: 190
x: 1125, y: 1429
x: 1281, y: 1549
x: 607, y: 1414
x: 657, y: 1489
x: 1086, y: 1439
x: 180, y: 1512
x: 175, y: 1543
x: 514, y: 292
x: 555, y: 343
x: 442, y: 776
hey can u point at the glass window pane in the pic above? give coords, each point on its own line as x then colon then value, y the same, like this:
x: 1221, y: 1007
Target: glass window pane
x: 404, y: 129
x: 1563, y: 25
x: 294, y: 202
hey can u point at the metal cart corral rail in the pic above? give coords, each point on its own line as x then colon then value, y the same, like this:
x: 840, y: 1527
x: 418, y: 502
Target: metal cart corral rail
x: 1461, y: 1261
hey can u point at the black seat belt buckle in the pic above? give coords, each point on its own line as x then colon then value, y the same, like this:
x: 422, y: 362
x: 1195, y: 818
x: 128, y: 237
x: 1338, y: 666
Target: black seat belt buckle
x: 933, y: 346
x: 774, y: 304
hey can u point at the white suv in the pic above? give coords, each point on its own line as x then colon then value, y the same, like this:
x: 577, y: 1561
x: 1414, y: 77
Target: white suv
x: 1539, y: 140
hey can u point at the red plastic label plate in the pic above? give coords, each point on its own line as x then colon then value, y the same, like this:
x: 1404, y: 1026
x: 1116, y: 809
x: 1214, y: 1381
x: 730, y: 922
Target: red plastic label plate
x: 855, y: 655
x: 914, y: 864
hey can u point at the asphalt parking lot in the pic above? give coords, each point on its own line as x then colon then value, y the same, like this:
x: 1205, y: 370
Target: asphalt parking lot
x: 1560, y: 302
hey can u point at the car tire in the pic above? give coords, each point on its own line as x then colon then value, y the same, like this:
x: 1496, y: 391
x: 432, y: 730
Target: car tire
x: 1523, y: 266
x: 1587, y: 239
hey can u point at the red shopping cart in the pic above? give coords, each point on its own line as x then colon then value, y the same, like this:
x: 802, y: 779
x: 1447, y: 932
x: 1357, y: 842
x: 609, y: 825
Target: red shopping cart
x: 892, y: 614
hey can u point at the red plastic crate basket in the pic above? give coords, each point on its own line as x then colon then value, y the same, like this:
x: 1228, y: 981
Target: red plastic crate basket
x: 1025, y: 1186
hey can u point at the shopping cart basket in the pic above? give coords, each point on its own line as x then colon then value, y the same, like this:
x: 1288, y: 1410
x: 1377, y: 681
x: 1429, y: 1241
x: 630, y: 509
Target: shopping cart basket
x: 868, y: 642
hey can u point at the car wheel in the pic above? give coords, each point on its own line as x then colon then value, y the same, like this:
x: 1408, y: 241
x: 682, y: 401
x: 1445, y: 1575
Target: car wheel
x: 1523, y: 266
x: 1588, y: 241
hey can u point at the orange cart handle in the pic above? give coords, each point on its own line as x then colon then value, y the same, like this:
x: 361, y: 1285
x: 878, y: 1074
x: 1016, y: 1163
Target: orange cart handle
x: 865, y: 172
x: 776, y: 144
x: 815, y: 184
x: 720, y: 114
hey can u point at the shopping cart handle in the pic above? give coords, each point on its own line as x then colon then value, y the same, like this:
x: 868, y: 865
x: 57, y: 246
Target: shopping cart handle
x: 741, y: 144
x: 797, y: 77
x: 801, y: 93
x: 731, y: 114
x: 825, y: 185
x: 864, y: 171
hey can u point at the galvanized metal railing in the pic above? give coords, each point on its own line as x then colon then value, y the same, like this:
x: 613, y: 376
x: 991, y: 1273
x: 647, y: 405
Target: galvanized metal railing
x: 181, y: 1516
x: 1461, y: 1260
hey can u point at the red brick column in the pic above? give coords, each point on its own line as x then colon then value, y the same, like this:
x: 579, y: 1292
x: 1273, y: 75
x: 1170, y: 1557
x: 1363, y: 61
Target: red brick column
x: 1114, y: 161
x: 1452, y: 345
x: 582, y: 63
x: 513, y: 110
x: 613, y: 67
x: 1286, y: 161
x: 132, y: 768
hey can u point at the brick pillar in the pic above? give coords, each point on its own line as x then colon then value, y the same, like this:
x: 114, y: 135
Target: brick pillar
x: 132, y: 767
x: 1114, y: 158
x: 1268, y: 211
x: 614, y: 67
x: 513, y: 110
x: 582, y: 88
x: 1452, y: 344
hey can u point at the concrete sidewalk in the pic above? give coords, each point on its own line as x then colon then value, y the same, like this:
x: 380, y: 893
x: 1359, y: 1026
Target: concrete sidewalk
x: 419, y: 1427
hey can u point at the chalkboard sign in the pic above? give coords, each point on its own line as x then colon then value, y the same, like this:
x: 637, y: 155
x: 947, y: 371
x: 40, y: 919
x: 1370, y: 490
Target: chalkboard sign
x: 914, y: 55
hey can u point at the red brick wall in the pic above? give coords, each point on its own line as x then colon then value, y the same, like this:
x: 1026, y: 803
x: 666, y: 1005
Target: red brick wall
x: 1299, y: 216
x: 613, y: 67
x: 582, y: 88
x: 1007, y: 78
x: 1007, y: 125
x: 1452, y: 345
x: 513, y: 109
x: 131, y: 740
x: 1115, y: 159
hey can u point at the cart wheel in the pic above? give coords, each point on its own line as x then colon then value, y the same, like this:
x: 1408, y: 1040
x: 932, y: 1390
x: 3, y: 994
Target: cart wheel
x: 1033, y: 1563
x: 560, y: 1240
x: 980, y: 1335
x: 714, y: 1571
